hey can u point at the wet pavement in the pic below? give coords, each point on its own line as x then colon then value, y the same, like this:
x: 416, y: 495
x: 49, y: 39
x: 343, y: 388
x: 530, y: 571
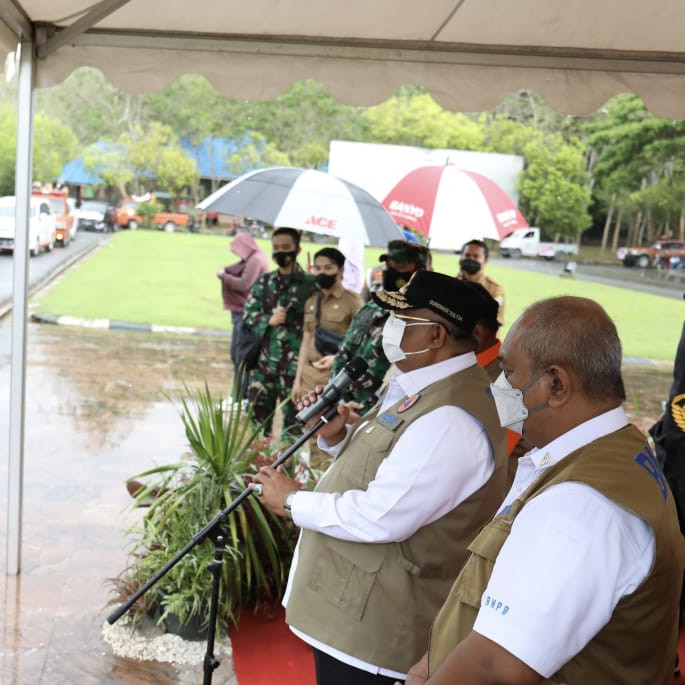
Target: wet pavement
x: 95, y: 415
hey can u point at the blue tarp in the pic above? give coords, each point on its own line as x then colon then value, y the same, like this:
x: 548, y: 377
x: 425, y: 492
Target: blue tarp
x: 75, y: 172
x: 212, y: 157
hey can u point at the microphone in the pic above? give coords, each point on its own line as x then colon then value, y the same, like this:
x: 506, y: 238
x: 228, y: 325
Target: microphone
x: 334, y: 390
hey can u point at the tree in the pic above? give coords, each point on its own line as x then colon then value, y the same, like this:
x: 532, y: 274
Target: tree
x: 156, y: 159
x: 412, y: 117
x: 194, y: 110
x: 90, y: 105
x: 146, y: 160
x: 109, y: 162
x: 53, y: 142
x: 553, y: 188
x: 254, y: 153
x: 639, y: 165
x: 304, y: 120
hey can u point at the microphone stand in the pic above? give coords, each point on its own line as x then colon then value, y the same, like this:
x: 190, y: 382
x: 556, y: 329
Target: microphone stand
x: 214, y: 531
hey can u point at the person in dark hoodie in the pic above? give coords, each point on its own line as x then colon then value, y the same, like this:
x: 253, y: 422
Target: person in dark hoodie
x: 237, y: 279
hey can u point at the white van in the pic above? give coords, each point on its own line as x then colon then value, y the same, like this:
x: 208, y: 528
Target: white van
x: 41, y: 224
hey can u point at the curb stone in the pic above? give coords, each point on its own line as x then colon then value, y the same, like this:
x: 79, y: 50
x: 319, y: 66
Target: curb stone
x: 114, y: 325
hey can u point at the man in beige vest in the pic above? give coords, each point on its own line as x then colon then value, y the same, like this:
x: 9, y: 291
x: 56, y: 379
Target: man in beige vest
x: 474, y: 257
x: 385, y: 532
x: 576, y: 580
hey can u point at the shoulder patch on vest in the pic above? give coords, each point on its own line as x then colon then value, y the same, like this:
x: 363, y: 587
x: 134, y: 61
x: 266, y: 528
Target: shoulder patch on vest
x: 390, y: 420
x: 646, y: 459
x: 678, y: 411
x: 408, y: 403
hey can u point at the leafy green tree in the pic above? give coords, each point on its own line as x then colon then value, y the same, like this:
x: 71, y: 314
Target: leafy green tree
x: 412, y: 117
x: 195, y: 110
x: 302, y: 121
x: 156, y: 159
x: 639, y: 166
x: 91, y: 106
x: 109, y: 162
x: 53, y: 142
x: 255, y: 153
x: 8, y: 143
x: 176, y: 170
x: 553, y: 189
x: 147, y: 159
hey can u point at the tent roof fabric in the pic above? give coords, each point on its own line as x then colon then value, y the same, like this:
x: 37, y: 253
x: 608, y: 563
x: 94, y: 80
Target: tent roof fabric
x: 577, y: 55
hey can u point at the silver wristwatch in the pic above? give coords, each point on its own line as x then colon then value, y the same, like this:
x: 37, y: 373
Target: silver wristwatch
x: 288, y: 502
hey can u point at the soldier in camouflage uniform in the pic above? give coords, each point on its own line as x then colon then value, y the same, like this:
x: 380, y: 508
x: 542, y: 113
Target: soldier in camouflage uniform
x: 280, y: 323
x: 364, y: 336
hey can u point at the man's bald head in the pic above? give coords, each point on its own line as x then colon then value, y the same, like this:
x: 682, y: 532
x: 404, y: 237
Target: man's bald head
x: 576, y: 333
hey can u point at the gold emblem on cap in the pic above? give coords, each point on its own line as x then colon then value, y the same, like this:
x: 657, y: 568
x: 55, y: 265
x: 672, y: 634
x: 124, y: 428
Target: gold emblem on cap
x: 678, y: 411
x: 403, y: 289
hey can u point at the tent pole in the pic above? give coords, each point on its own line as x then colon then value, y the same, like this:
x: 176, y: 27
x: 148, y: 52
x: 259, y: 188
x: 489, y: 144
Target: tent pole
x: 20, y: 257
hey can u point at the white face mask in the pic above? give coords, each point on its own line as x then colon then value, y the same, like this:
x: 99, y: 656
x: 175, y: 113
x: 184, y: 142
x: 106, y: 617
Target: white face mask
x: 393, y: 331
x: 511, y: 408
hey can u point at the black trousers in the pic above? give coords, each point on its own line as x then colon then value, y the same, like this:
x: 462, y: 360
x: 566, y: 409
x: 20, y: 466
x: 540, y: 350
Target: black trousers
x: 330, y: 671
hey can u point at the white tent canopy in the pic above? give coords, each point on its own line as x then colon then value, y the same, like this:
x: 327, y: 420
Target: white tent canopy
x: 467, y: 53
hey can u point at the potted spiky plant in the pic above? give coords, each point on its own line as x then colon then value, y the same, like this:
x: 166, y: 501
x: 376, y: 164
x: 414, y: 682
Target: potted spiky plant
x: 225, y: 448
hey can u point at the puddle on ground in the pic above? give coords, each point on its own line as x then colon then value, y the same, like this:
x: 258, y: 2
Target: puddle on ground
x: 97, y: 412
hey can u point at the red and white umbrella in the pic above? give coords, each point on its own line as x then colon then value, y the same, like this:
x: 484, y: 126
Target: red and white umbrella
x: 309, y: 200
x: 450, y: 206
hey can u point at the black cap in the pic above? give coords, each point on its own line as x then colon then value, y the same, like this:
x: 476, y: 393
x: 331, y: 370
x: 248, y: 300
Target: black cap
x: 447, y: 296
x: 488, y: 304
x: 404, y: 252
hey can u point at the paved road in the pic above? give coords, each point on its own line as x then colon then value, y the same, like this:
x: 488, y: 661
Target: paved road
x: 671, y: 285
x: 44, y: 264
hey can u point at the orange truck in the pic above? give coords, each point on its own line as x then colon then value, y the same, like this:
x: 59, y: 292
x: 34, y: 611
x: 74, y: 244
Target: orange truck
x: 63, y: 208
x: 127, y: 215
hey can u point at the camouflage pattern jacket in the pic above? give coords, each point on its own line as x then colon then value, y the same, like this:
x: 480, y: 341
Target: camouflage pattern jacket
x: 280, y: 344
x: 364, y: 339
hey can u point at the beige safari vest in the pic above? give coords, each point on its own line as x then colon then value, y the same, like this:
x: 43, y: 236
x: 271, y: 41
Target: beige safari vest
x: 638, y: 644
x: 377, y: 601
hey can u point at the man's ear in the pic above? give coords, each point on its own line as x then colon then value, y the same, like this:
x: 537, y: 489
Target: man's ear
x: 440, y: 337
x: 560, y: 386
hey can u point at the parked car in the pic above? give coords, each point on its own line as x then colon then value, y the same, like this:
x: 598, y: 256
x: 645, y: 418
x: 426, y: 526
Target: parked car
x: 656, y: 254
x: 65, y: 225
x: 91, y: 215
x: 127, y: 214
x: 41, y: 224
x: 525, y: 242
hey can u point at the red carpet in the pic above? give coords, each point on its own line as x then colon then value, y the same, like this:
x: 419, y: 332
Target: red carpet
x: 681, y: 655
x: 265, y: 652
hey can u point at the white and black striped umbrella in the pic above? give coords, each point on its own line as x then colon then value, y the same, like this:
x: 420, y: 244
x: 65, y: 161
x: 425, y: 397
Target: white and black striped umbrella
x: 309, y: 200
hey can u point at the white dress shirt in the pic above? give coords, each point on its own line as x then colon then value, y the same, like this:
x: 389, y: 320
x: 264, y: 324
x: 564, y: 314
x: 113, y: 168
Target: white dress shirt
x: 571, y: 555
x: 445, y: 453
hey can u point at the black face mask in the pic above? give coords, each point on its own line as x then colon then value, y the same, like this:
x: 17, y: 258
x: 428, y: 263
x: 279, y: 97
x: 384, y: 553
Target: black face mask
x: 469, y: 266
x: 394, y: 280
x: 326, y: 281
x: 284, y: 259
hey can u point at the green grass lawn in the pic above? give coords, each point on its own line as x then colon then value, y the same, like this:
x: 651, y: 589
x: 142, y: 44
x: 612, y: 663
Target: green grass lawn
x: 170, y: 279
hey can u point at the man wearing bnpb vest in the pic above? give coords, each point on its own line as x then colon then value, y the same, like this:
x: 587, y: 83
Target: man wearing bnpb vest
x: 385, y: 532
x: 576, y: 580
